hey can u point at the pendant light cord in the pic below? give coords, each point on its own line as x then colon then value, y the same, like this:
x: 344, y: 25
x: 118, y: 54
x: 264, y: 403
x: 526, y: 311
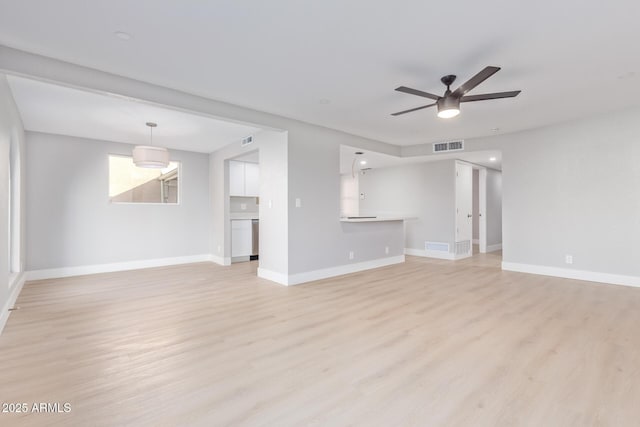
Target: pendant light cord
x: 151, y: 126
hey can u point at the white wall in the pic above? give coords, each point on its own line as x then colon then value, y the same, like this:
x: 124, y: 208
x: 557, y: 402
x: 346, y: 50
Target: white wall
x: 349, y: 195
x: 315, y: 237
x: 574, y: 189
x: 494, y: 207
x: 11, y: 132
x: 70, y: 221
x: 571, y: 187
x: 272, y: 146
x: 422, y: 190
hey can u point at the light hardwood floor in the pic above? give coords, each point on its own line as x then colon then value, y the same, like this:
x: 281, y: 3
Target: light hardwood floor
x: 426, y: 343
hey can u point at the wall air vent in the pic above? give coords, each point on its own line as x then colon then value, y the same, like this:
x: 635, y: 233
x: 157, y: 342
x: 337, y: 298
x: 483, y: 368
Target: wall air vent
x: 436, y: 246
x: 440, y: 147
x: 246, y: 141
x: 463, y: 247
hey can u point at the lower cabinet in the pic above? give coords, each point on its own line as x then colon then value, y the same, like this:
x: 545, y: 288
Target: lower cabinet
x: 240, y: 237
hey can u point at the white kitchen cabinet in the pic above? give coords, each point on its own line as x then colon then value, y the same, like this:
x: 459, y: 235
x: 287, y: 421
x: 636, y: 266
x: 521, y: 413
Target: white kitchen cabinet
x: 236, y: 178
x: 241, y: 237
x: 244, y: 179
x: 251, y: 179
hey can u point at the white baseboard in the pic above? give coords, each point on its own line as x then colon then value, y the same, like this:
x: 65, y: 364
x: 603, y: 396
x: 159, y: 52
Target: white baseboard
x: 280, y: 278
x: 15, y: 289
x: 54, y: 273
x: 567, y: 273
x: 221, y: 260
x: 325, y: 273
x: 493, y: 248
x: 435, y: 254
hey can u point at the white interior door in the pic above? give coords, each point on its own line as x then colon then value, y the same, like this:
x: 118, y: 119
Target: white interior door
x: 464, y: 208
x: 482, y: 221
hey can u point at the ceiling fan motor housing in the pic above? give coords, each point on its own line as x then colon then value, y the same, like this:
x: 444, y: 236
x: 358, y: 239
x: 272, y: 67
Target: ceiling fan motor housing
x: 448, y: 103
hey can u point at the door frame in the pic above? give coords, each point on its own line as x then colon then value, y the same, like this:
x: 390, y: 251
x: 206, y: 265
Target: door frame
x: 456, y: 212
x: 482, y: 208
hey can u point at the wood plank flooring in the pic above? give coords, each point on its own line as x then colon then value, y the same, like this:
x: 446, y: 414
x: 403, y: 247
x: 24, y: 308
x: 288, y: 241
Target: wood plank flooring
x: 425, y: 343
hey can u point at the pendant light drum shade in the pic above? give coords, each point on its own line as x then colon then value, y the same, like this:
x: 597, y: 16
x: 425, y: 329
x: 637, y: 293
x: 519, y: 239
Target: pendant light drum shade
x: 146, y: 156
x: 149, y: 156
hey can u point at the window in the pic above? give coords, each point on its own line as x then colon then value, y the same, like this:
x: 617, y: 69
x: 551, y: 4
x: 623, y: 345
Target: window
x: 131, y: 184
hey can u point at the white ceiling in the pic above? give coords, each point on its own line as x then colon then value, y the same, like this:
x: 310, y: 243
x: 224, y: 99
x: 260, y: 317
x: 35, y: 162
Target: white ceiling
x: 570, y: 58
x: 50, y: 108
x: 377, y: 160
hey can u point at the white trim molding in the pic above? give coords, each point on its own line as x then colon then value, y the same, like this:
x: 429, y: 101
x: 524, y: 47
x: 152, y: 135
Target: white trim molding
x: 54, y: 273
x: 273, y: 276
x: 567, y: 273
x: 435, y: 254
x: 325, y: 273
x: 15, y: 289
x: 221, y: 260
x: 493, y: 248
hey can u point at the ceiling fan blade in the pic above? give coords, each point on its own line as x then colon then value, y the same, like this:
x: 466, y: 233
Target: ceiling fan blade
x: 417, y: 92
x: 413, y: 109
x: 485, y: 96
x: 475, y: 81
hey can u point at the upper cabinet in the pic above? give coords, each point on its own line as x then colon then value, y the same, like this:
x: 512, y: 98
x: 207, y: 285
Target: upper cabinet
x: 244, y: 179
x: 251, y: 179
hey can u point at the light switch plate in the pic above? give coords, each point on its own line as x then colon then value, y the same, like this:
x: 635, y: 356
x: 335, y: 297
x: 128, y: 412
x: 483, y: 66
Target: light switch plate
x: 298, y: 203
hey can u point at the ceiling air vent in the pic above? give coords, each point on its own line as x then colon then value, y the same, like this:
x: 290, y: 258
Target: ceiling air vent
x: 440, y: 147
x: 246, y: 141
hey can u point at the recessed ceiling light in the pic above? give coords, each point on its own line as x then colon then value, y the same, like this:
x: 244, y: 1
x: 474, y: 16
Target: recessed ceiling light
x: 324, y: 101
x: 363, y: 162
x: 122, y: 35
x: 492, y: 159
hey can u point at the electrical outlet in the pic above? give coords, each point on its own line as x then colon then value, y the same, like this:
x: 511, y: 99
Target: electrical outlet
x: 363, y: 196
x: 351, y: 255
x: 243, y: 206
x: 270, y: 203
x: 219, y: 248
x: 386, y: 250
x: 298, y: 203
x: 568, y: 259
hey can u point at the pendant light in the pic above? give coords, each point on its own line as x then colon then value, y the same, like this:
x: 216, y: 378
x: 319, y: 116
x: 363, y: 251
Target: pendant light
x: 148, y: 156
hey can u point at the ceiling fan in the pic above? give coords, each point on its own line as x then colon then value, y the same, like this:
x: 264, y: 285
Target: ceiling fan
x: 449, y: 104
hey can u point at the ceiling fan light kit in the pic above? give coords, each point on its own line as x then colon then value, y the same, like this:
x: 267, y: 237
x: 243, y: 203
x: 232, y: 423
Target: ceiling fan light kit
x: 448, y: 105
x: 149, y: 156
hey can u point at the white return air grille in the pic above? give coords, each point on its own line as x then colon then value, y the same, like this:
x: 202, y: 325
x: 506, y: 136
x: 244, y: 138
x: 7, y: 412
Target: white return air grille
x: 463, y: 247
x: 441, y: 147
x: 246, y: 141
x: 436, y: 246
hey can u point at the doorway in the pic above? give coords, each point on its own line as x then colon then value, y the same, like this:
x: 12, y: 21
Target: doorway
x: 478, y: 209
x: 244, y: 203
